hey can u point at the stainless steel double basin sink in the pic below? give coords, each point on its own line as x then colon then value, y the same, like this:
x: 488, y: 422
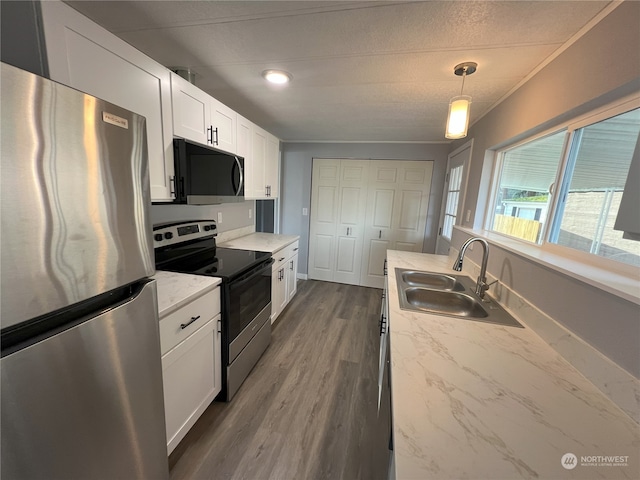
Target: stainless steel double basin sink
x: 449, y: 295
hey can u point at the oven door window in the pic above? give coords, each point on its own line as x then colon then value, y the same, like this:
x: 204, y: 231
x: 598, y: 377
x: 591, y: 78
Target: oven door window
x: 248, y: 298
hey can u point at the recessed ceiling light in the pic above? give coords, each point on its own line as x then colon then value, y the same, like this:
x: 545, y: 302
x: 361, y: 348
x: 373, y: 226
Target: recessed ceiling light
x: 277, y: 76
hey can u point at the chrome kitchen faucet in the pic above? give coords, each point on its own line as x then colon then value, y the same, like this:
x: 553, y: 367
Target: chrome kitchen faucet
x: 481, y: 286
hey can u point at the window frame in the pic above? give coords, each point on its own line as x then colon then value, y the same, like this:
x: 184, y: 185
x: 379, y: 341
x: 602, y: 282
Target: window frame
x: 552, y: 223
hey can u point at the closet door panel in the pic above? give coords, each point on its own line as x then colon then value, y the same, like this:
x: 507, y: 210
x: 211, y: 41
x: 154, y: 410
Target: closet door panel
x: 323, y: 221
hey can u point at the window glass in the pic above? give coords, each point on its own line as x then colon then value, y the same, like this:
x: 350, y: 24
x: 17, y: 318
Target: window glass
x: 453, y: 198
x: 527, y: 173
x: 595, y: 177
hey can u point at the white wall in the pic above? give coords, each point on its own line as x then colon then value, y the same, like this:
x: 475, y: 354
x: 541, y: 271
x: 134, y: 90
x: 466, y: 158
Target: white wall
x: 600, y: 67
x: 295, y: 186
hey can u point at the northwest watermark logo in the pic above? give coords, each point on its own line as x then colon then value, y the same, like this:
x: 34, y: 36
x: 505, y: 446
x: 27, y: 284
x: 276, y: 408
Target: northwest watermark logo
x: 569, y: 461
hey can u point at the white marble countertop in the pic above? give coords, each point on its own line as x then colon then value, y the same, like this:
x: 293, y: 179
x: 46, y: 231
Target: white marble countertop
x: 475, y: 400
x: 178, y: 289
x: 262, y: 242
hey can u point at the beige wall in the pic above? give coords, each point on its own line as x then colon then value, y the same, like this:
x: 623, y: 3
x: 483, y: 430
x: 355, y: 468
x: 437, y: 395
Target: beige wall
x: 600, y: 67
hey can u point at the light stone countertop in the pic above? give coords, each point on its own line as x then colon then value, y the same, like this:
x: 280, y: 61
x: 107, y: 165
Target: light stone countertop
x: 178, y: 289
x: 475, y: 400
x: 262, y: 242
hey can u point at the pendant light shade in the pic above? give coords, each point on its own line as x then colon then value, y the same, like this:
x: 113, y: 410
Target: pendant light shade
x: 460, y: 106
x: 458, y: 119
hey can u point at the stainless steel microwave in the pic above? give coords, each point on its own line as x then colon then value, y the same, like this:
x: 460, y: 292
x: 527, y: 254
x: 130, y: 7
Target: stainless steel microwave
x: 206, y: 176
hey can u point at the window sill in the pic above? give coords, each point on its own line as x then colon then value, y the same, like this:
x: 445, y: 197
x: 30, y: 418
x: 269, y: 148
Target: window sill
x: 615, y: 283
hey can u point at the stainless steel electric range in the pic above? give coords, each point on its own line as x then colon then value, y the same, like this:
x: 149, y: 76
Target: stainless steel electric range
x: 190, y: 247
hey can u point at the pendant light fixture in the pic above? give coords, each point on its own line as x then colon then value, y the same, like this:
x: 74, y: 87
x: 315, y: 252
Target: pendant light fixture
x: 460, y: 106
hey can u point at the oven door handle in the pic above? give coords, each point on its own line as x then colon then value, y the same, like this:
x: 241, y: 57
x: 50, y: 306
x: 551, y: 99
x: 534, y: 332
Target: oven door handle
x: 251, y: 274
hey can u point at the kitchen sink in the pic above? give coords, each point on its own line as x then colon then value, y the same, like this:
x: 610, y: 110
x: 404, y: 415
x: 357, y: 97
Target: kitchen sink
x: 448, y: 295
x: 445, y: 302
x: 436, y: 281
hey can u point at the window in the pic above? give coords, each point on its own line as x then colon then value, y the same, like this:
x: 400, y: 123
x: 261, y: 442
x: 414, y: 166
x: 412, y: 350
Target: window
x: 593, y: 162
x: 595, y: 177
x: 453, y: 198
x: 527, y: 173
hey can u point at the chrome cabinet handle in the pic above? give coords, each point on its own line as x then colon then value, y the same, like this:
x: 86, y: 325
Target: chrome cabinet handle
x: 280, y: 259
x: 380, y: 234
x: 383, y: 325
x: 291, y: 265
x: 215, y: 130
x: 172, y: 185
x: 219, y: 326
x: 210, y: 131
x: 185, y: 325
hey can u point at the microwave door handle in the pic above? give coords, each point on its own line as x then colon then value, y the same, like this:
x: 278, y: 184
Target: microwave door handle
x: 239, y: 165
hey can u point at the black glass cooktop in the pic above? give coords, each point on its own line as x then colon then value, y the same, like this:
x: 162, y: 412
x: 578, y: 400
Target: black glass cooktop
x: 202, y: 257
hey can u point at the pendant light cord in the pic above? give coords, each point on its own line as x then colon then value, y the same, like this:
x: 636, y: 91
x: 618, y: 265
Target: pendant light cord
x: 464, y: 74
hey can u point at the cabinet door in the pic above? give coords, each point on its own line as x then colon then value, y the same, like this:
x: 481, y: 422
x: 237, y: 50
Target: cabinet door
x: 191, y: 110
x: 224, y: 121
x: 278, y: 291
x: 87, y: 57
x: 244, y: 130
x: 255, y: 186
x: 189, y: 378
x: 272, y: 166
x: 292, y: 277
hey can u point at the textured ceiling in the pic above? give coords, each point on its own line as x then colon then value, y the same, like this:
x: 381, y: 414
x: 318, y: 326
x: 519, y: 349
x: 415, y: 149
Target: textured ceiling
x: 362, y: 71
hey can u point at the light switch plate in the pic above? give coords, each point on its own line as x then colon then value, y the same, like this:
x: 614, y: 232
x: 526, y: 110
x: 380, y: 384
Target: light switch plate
x: 250, y: 213
x: 305, y: 211
x: 219, y: 217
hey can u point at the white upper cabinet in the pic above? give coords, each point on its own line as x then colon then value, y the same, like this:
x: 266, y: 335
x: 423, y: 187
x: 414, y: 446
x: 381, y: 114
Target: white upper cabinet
x: 223, y: 126
x: 87, y: 57
x: 262, y: 171
x: 191, y: 110
x: 272, y: 166
x: 201, y: 118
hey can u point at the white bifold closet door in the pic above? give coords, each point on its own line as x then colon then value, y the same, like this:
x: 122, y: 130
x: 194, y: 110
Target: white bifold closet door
x: 338, y: 205
x: 359, y: 210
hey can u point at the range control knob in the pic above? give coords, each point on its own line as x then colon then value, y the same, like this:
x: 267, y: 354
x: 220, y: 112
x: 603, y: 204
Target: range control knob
x: 168, y: 235
x: 207, y: 228
x: 213, y: 226
x: 157, y: 237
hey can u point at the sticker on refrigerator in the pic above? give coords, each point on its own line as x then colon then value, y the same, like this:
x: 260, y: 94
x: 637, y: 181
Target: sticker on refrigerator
x: 115, y: 120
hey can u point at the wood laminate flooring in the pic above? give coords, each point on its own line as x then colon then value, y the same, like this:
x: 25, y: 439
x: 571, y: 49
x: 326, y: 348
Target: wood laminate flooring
x: 308, y: 410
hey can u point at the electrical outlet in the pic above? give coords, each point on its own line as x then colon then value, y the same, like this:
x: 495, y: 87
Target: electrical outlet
x: 468, y: 216
x: 250, y: 212
x: 305, y: 211
x: 219, y: 217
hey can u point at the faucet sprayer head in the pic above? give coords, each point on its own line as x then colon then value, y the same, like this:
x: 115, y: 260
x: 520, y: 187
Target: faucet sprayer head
x: 457, y: 265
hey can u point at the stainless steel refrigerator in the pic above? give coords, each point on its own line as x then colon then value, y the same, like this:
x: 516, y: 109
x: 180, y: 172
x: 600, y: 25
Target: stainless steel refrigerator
x: 80, y: 369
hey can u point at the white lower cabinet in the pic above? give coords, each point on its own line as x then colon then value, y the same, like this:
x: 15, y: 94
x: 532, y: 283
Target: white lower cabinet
x: 190, y: 340
x: 384, y: 335
x: 284, y: 278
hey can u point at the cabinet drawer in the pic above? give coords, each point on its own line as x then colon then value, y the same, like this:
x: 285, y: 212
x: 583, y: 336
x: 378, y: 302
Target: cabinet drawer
x: 284, y: 254
x: 203, y: 309
x: 292, y: 249
x: 279, y: 257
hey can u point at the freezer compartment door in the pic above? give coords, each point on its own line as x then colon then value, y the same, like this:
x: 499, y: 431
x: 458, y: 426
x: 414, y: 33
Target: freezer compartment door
x: 74, y: 197
x: 88, y: 403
